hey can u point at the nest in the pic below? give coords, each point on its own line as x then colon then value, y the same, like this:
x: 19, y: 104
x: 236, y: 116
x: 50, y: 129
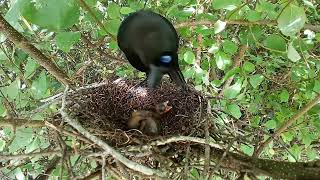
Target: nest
x: 105, y: 110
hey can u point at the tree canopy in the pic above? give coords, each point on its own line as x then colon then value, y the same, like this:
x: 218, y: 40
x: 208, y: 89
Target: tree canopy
x: 256, y: 63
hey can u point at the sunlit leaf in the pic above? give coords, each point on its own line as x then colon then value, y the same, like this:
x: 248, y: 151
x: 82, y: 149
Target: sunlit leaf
x: 126, y: 10
x: 233, y: 91
x: 189, y: 57
x: 291, y: 20
x: 219, y: 26
x: 293, y: 55
x: 247, y: 149
x: 222, y: 60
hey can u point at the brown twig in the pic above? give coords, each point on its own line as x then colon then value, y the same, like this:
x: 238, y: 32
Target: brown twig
x: 14, y: 36
x: 315, y: 28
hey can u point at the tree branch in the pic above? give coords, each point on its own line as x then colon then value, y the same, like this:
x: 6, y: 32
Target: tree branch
x: 14, y: 36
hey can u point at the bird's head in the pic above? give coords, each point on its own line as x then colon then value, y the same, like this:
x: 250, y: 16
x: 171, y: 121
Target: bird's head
x: 160, y: 66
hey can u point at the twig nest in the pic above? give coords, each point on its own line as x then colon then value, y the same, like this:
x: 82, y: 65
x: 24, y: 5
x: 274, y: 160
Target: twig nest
x: 107, y: 109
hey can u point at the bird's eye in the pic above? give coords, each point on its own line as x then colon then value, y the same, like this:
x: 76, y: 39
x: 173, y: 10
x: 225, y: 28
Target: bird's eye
x: 166, y: 59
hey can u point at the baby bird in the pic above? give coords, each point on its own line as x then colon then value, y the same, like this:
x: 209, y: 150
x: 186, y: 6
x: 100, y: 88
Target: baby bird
x: 148, y: 121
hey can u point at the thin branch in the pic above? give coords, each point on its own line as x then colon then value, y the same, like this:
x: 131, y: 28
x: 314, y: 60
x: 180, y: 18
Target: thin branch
x: 286, y: 125
x: 315, y: 28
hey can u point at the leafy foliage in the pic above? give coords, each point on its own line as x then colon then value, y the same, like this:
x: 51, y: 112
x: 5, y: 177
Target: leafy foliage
x: 278, y: 74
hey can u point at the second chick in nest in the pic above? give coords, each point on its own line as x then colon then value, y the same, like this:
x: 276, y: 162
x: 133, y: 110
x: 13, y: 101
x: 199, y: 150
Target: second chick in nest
x: 148, y: 121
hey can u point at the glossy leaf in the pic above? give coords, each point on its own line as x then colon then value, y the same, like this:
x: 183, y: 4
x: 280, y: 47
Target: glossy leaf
x: 222, y: 60
x: 293, y: 55
x: 291, y: 20
x: 189, y: 57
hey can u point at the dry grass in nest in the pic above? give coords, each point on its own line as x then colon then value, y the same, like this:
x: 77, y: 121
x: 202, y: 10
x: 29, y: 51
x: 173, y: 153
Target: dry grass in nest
x: 104, y: 110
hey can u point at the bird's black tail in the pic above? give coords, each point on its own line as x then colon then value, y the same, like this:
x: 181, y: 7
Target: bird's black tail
x: 177, y: 77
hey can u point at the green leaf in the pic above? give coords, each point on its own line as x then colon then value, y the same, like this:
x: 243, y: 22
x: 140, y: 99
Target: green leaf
x: 65, y: 40
x: 271, y: 124
x: 2, y: 144
x: 113, y: 10
x: 13, y: 15
x: 316, y: 86
x: 219, y: 26
x: 247, y: 149
x: 287, y: 136
x: 112, y: 26
x: 312, y: 154
x: 194, y: 172
x: 275, y: 42
x: 295, y: 151
x: 253, y: 16
x: 234, y: 110
x: 189, y: 57
x: 126, y: 10
x: 222, y: 60
x: 293, y: 55
x: 284, y: 96
x: 22, y: 139
x: 249, y: 67
x: 233, y: 91
x: 30, y: 68
x: 188, y: 73
x: 256, y: 80
x: 223, y: 4
x: 291, y: 20
x: 230, y: 73
x: 13, y: 89
x: 229, y: 47
x: 53, y: 15
x: 39, y: 86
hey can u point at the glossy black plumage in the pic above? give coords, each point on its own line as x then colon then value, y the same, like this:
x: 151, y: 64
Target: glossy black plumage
x: 150, y: 44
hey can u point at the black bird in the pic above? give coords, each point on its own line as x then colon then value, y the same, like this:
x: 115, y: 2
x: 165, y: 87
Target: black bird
x: 150, y: 44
